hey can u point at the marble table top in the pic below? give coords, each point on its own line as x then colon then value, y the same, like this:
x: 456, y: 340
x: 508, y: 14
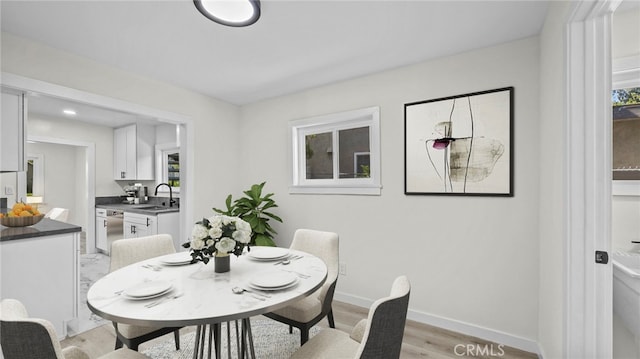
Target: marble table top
x: 203, y: 296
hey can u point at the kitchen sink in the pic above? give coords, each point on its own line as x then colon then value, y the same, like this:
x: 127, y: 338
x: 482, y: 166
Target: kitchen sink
x: 156, y: 208
x: 153, y: 207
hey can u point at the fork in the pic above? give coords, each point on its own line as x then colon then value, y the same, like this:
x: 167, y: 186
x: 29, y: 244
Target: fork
x: 286, y: 261
x: 162, y: 300
x: 151, y: 266
x: 301, y: 275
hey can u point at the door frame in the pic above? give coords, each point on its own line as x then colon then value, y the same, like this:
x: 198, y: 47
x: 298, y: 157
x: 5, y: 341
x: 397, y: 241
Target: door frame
x: 588, y: 180
x: 89, y: 173
x: 187, y: 136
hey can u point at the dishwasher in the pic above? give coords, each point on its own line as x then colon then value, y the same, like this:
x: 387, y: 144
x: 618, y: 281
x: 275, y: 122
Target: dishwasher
x: 109, y: 227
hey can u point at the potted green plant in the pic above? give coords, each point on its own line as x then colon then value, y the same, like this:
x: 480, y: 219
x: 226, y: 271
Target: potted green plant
x: 254, y: 209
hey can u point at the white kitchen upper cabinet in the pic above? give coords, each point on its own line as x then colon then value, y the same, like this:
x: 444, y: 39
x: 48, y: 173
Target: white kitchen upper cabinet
x: 12, y: 135
x: 133, y: 147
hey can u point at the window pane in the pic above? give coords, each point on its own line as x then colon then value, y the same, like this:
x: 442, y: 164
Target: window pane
x: 626, y: 132
x: 319, y: 155
x: 354, y: 153
x: 29, y: 177
x: 173, y: 169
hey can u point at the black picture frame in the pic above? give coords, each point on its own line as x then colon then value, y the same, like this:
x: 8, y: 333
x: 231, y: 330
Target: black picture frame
x: 460, y: 145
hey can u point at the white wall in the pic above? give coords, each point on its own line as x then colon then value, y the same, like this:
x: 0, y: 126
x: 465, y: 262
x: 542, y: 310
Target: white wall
x: 482, y: 270
x: 551, y: 236
x: 214, y: 142
x: 100, y: 136
x: 60, y: 178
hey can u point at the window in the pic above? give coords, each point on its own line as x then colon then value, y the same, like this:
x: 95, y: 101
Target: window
x: 168, y: 166
x: 626, y: 155
x: 35, y: 178
x: 172, y: 168
x: 337, y: 153
x: 626, y: 134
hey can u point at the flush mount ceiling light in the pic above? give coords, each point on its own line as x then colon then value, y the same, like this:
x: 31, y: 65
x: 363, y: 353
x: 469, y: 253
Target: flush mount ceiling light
x: 235, y: 13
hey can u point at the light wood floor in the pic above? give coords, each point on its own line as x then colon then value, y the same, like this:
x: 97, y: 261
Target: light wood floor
x: 420, y: 340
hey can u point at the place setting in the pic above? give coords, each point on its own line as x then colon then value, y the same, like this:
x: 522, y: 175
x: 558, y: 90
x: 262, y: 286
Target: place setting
x: 273, y: 281
x: 177, y: 259
x: 281, y: 256
x: 159, y: 290
x: 268, y: 254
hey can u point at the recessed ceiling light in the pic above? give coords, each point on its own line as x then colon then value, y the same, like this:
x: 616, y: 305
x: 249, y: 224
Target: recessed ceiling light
x: 236, y: 13
x: 69, y: 112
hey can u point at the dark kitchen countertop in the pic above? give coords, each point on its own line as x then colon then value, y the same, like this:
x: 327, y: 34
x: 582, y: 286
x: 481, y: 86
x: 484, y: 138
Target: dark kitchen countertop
x: 46, y: 227
x: 152, y: 209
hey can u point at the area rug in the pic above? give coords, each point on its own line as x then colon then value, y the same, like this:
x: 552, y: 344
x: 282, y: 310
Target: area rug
x: 271, y: 340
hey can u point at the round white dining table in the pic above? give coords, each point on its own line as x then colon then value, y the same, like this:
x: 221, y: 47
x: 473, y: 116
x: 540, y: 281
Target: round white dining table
x: 197, y: 295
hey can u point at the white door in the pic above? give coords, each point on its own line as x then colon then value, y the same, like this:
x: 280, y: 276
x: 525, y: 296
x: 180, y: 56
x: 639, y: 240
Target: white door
x: 101, y: 233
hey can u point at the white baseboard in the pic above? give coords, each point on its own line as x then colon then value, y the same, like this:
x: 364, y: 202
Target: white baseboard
x: 488, y: 334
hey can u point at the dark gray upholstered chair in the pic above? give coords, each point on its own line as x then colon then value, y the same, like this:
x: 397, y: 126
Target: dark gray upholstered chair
x: 128, y: 251
x: 23, y: 337
x: 308, y: 311
x: 378, y: 336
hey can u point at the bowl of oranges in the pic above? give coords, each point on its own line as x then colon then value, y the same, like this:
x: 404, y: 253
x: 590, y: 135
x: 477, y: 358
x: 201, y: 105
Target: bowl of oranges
x: 21, y: 215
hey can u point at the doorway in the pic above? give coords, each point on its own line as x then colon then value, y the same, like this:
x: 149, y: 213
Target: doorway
x: 67, y: 181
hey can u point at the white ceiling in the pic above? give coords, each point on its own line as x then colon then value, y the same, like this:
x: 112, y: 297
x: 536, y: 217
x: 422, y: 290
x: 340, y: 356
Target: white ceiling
x: 295, y: 45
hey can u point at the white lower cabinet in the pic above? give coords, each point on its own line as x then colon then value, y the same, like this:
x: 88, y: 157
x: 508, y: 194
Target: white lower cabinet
x: 141, y: 225
x: 43, y: 273
x: 101, y: 230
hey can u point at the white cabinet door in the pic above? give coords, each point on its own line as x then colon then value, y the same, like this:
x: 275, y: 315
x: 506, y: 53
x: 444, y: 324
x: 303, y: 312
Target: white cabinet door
x: 129, y: 230
x: 101, y: 230
x: 124, y: 147
x: 12, y: 134
x: 145, y: 152
x: 139, y: 225
x: 133, y: 152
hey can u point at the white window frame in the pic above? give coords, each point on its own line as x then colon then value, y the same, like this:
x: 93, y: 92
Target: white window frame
x: 299, y: 129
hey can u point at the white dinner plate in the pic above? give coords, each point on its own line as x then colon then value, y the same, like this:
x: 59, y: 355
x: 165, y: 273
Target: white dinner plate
x: 268, y: 253
x: 148, y: 289
x: 275, y: 288
x: 177, y: 259
x: 273, y: 279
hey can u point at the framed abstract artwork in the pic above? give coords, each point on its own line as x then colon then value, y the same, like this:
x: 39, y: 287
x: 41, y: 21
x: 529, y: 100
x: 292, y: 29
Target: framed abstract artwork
x: 460, y: 145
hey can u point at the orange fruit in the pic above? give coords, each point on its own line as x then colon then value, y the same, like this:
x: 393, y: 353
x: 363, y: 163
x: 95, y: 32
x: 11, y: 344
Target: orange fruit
x: 26, y: 214
x: 1, y: 215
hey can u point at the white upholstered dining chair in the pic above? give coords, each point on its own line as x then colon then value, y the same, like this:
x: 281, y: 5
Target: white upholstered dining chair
x: 308, y: 311
x: 24, y: 337
x: 128, y: 251
x: 378, y: 336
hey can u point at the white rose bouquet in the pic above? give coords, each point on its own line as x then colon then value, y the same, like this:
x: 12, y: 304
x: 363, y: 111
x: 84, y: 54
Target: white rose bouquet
x: 218, y: 235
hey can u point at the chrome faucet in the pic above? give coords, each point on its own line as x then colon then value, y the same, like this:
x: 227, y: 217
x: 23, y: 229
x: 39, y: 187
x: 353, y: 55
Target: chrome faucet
x: 171, y: 201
